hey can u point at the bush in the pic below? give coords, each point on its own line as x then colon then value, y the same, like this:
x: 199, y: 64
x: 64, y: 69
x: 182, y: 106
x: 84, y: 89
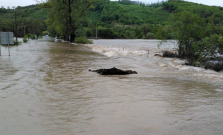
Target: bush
x: 82, y: 40
x: 25, y: 39
x: 106, y: 33
x: 17, y: 43
x: 130, y: 34
x: 45, y: 33
x: 31, y: 36
x: 150, y: 35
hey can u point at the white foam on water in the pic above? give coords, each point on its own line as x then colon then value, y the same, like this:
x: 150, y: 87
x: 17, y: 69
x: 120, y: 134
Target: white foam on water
x: 191, y: 68
x: 219, y: 90
x: 115, y: 51
x: 214, y: 76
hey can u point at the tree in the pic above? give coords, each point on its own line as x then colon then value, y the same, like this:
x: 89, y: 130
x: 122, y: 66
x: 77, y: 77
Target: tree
x: 199, y: 39
x: 65, y: 16
x: 189, y: 32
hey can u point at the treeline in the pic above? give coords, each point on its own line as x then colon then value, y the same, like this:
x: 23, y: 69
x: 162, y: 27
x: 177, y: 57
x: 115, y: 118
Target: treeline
x: 112, y: 19
x: 23, y: 20
x: 120, y: 19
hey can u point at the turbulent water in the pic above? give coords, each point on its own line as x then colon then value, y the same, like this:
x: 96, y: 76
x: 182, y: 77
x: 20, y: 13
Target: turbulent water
x: 46, y: 89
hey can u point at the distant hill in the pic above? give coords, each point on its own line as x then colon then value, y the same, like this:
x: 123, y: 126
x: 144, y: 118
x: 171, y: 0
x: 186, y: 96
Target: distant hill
x: 114, y: 19
x: 126, y: 19
x: 129, y: 13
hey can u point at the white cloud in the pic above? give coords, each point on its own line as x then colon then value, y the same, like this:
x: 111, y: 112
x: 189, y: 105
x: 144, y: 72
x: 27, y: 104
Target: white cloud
x: 11, y: 3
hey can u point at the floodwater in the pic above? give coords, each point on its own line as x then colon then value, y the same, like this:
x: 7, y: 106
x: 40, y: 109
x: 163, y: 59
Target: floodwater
x: 46, y: 89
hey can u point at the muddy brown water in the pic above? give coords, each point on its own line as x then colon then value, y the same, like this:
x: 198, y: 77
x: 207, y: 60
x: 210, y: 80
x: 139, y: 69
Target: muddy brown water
x: 46, y: 89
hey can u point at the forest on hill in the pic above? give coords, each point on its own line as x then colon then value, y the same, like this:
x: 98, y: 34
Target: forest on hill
x: 113, y: 19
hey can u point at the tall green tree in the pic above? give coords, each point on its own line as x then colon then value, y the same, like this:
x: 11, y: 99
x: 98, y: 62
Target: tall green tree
x: 65, y: 16
x: 189, y: 32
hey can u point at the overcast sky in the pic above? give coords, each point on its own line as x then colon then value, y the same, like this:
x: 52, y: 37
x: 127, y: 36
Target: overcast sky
x: 11, y: 3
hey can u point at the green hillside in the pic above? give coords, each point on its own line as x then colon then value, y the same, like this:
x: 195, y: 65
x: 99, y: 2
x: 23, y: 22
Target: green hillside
x: 130, y: 13
x: 137, y: 20
x: 114, y: 19
x: 127, y: 19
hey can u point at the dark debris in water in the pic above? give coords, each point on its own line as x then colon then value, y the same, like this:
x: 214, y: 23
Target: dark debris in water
x: 113, y: 71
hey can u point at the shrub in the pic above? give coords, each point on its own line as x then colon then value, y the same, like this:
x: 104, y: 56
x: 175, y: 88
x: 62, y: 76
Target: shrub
x: 130, y: 34
x: 82, y: 40
x: 150, y: 35
x: 25, y: 39
x: 45, y: 33
x: 17, y: 43
x: 31, y: 36
x: 106, y: 33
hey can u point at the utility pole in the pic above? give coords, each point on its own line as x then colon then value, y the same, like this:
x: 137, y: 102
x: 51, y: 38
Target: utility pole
x: 24, y: 30
x: 96, y: 30
x: 15, y: 25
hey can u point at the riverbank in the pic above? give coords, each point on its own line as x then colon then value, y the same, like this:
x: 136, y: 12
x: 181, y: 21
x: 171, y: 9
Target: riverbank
x: 214, y: 63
